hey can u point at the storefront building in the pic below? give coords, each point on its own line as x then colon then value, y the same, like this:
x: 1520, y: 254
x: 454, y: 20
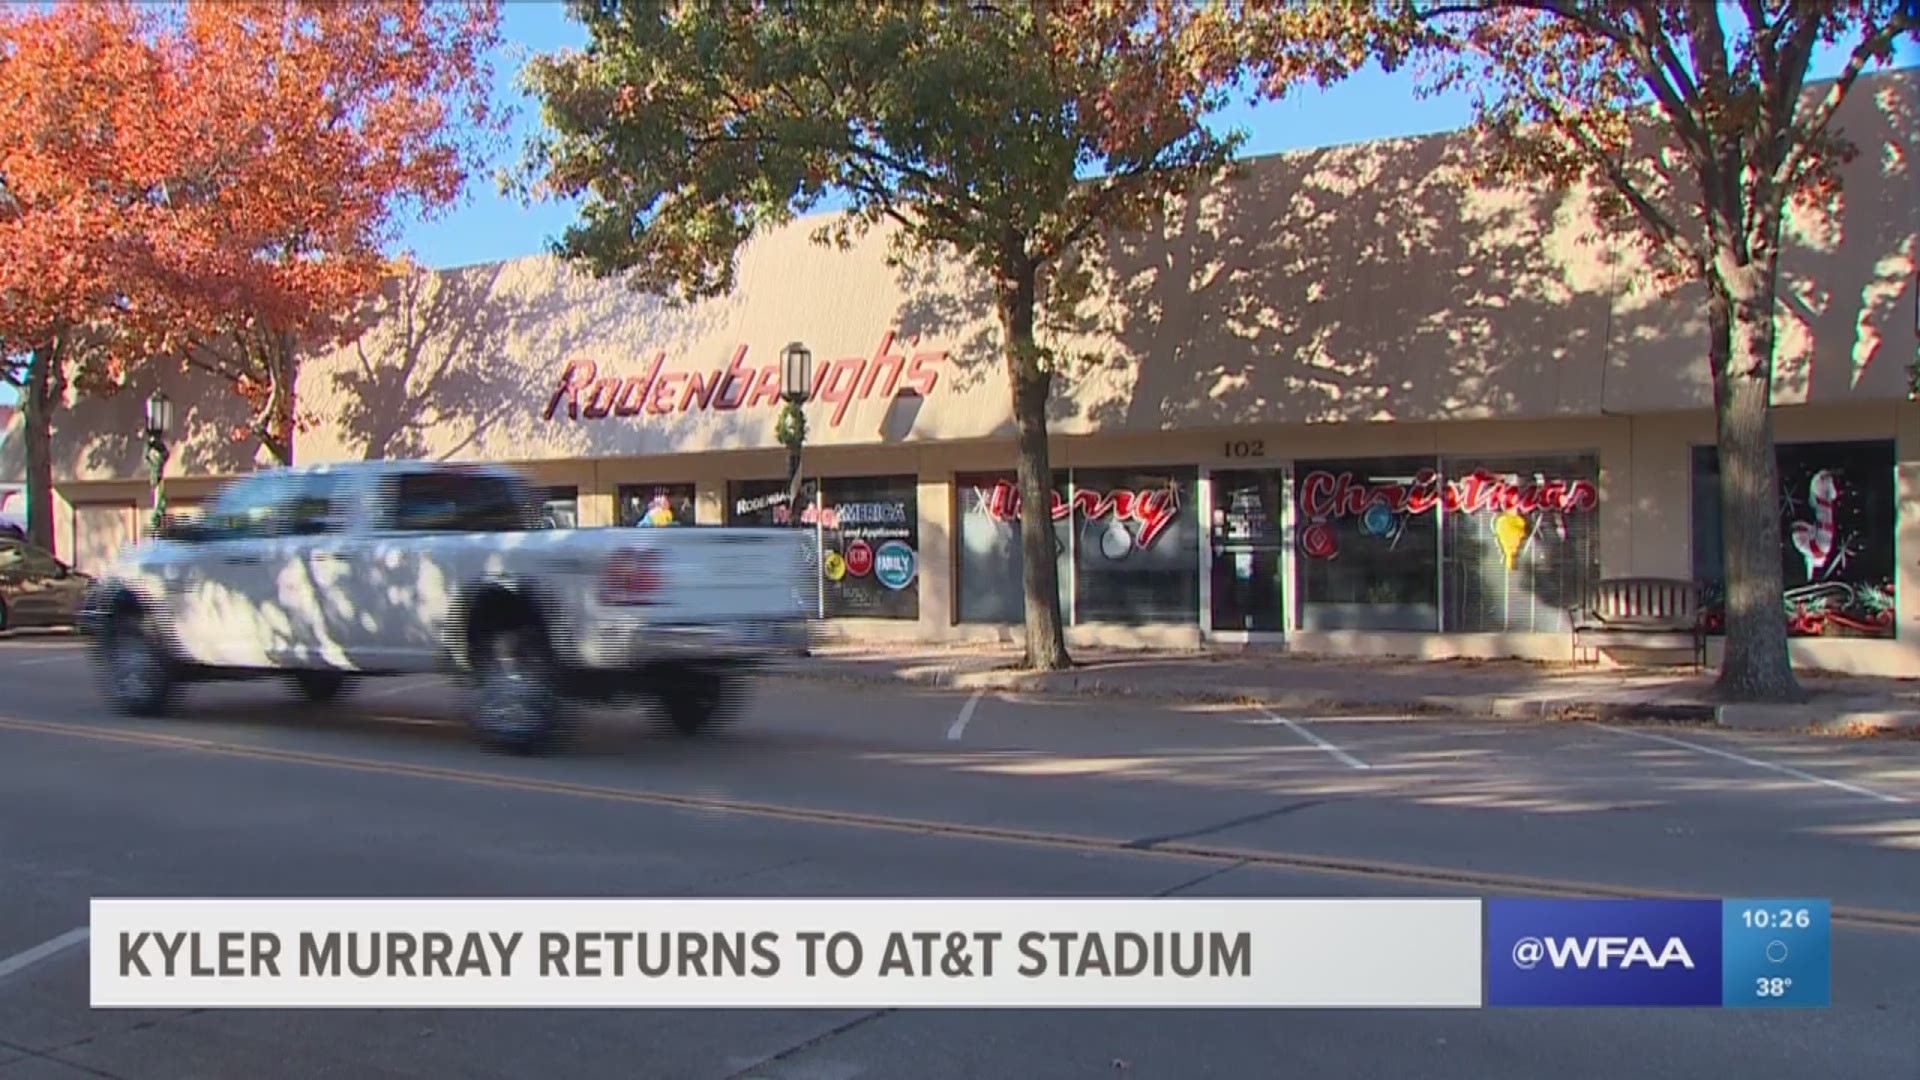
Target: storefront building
x: 1345, y: 401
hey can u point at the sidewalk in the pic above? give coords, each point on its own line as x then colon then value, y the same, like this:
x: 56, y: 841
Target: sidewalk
x: 1328, y: 686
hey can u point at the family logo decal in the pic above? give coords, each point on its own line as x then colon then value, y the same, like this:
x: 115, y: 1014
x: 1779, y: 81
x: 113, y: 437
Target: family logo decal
x: 895, y: 565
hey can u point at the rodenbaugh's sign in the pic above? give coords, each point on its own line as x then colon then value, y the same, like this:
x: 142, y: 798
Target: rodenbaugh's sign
x: 590, y: 395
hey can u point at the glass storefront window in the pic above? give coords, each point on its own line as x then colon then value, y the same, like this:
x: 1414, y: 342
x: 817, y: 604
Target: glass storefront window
x: 1136, y: 546
x: 762, y: 504
x: 1368, y: 542
x: 1522, y: 543
x: 651, y: 505
x: 991, y: 587
x: 1839, y: 514
x: 870, y: 544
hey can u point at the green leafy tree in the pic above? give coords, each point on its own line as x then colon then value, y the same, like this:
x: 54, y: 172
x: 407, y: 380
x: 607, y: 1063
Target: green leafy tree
x: 1698, y: 128
x: 1017, y: 135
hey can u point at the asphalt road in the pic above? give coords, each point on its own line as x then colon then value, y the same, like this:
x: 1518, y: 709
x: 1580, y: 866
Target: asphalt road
x: 838, y: 791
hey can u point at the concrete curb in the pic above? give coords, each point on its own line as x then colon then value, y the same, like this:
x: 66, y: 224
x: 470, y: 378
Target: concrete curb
x: 1807, y: 718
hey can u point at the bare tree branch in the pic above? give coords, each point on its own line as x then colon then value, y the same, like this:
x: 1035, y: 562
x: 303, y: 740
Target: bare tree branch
x: 1689, y: 126
x: 1707, y: 19
x: 1869, y: 48
x: 1656, y: 219
x: 217, y: 368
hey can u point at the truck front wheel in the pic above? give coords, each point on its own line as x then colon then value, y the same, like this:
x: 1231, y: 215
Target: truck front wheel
x: 517, y: 707
x: 134, y: 671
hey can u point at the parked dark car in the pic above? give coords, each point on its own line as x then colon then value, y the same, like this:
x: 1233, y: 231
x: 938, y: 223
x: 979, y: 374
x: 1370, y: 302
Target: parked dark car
x: 12, y: 530
x: 37, y: 589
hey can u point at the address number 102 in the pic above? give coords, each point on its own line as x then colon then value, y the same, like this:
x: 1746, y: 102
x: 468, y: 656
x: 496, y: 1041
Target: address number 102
x: 1245, y: 448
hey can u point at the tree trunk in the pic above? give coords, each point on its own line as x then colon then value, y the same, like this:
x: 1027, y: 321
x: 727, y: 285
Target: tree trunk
x: 275, y: 429
x: 1757, y: 666
x: 1031, y: 385
x: 36, y: 416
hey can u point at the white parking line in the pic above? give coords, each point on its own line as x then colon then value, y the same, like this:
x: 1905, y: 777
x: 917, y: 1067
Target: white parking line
x: 1346, y: 759
x: 21, y: 961
x: 1810, y: 778
x: 960, y: 723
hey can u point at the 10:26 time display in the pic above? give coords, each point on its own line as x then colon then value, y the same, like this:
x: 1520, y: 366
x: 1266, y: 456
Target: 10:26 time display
x: 1781, y: 919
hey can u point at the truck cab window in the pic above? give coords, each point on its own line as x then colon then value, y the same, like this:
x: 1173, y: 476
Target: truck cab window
x: 459, y: 502
x: 246, y: 509
x: 311, y: 508
x: 272, y: 504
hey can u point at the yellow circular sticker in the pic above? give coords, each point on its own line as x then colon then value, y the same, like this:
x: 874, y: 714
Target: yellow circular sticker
x: 836, y: 566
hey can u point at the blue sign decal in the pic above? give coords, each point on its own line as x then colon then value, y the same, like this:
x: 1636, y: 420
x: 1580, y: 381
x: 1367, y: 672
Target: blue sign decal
x: 895, y: 565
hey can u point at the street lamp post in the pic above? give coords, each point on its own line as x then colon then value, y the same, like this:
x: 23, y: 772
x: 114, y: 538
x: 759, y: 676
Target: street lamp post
x: 796, y: 386
x: 159, y: 426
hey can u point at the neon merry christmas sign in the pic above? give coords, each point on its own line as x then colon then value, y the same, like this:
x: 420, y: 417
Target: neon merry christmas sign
x: 1154, y: 510
x: 1324, y: 495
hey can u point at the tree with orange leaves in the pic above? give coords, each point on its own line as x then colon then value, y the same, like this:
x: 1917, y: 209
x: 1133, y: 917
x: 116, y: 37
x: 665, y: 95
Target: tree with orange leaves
x: 86, y: 155
x: 326, y: 121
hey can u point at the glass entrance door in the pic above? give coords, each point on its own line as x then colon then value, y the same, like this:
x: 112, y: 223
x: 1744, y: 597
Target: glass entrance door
x: 1246, y: 549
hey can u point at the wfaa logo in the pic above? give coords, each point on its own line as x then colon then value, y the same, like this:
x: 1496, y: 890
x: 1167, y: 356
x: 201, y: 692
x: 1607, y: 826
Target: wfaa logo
x: 1630, y: 953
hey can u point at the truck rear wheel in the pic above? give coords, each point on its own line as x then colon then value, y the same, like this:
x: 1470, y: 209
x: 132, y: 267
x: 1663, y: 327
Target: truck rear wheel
x: 696, y: 698
x: 319, y: 687
x: 133, y: 669
x: 517, y: 707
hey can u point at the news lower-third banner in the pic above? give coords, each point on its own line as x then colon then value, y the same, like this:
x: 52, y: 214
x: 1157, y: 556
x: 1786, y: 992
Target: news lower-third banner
x: 1187, y: 953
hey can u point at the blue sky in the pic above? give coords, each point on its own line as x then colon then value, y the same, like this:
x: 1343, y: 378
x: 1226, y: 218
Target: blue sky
x: 489, y: 226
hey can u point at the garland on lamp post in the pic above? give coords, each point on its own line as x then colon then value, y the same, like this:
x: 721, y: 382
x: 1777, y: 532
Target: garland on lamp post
x: 157, y: 455
x: 159, y: 423
x: 791, y: 431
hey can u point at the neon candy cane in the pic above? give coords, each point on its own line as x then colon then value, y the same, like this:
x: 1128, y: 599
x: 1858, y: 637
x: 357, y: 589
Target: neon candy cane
x: 1815, y: 538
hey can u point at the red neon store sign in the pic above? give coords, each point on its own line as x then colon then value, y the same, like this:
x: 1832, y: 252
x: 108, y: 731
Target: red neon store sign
x: 588, y: 393
x: 1153, y: 510
x: 1322, y: 494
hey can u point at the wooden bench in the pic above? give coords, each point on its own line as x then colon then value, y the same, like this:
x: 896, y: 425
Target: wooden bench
x: 1644, y: 612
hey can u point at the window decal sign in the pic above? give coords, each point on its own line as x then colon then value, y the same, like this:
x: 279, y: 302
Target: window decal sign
x: 859, y: 558
x: 895, y: 565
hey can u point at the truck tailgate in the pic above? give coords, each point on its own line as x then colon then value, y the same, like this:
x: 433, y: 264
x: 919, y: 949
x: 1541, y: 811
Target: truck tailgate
x: 719, y: 575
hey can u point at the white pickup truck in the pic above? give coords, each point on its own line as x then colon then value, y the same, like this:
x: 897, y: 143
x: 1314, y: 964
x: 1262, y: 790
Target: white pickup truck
x: 324, y: 574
